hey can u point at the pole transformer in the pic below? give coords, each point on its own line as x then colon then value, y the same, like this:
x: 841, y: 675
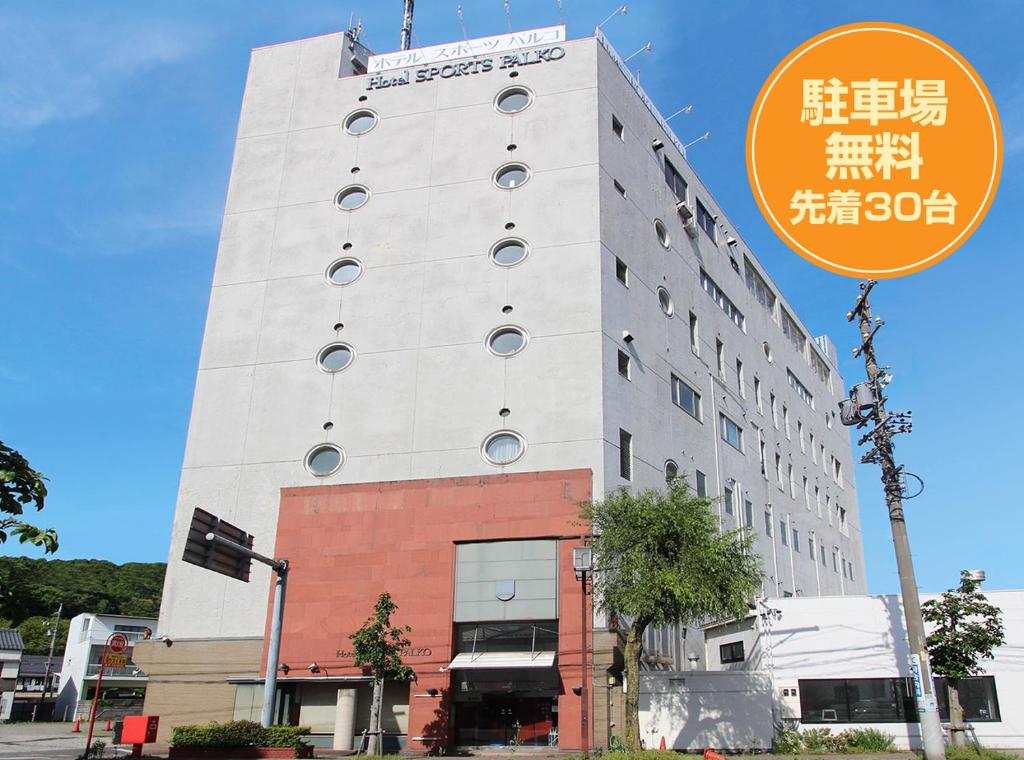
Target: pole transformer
x: 866, y: 406
x: 407, y: 25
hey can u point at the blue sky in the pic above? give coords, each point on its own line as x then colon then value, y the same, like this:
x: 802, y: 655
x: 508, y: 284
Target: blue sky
x: 116, y: 129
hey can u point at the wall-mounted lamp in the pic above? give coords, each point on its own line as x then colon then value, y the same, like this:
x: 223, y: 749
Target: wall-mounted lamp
x: 645, y: 49
x: 284, y: 668
x: 313, y: 667
x: 620, y: 11
x: 433, y: 692
x: 627, y: 336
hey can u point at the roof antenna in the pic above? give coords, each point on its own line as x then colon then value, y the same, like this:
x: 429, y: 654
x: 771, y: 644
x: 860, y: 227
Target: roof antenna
x: 462, y: 22
x: 407, y: 25
x: 508, y: 15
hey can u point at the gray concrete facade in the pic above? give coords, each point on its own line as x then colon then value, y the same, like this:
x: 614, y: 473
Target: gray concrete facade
x: 423, y: 392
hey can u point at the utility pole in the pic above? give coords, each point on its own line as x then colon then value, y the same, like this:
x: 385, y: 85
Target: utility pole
x: 865, y: 406
x: 49, y: 657
x: 407, y: 24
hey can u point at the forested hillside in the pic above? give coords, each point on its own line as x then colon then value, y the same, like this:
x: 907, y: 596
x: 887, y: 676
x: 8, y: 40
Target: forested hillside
x: 31, y: 589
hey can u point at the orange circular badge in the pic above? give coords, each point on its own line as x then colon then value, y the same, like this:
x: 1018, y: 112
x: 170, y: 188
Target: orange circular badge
x: 874, y: 150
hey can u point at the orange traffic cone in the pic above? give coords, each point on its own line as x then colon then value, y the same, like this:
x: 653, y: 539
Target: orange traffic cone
x: 710, y: 754
x: 106, y: 726
x: 77, y: 727
x: 662, y: 745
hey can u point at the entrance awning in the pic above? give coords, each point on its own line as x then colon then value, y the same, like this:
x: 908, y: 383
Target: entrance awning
x: 480, y: 660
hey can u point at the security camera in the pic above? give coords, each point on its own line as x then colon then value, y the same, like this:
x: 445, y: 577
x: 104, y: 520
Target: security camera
x: 167, y: 640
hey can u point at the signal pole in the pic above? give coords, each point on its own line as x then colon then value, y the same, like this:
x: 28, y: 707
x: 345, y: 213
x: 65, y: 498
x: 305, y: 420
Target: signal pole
x: 867, y: 406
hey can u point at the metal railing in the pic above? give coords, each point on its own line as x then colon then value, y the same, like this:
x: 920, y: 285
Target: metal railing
x: 130, y: 671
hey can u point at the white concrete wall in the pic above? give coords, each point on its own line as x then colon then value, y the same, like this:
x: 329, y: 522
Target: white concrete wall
x: 642, y: 405
x: 423, y: 392
x: 697, y: 710
x: 865, y: 637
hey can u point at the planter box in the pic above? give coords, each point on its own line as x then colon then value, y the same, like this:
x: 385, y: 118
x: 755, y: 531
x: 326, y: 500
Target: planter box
x: 200, y: 753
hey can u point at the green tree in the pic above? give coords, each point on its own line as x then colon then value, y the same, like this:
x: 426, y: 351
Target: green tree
x: 20, y: 486
x: 966, y: 628
x: 35, y: 632
x: 661, y: 558
x: 378, y: 645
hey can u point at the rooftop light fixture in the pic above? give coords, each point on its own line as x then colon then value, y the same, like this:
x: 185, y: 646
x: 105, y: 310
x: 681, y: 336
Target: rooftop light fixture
x: 620, y: 11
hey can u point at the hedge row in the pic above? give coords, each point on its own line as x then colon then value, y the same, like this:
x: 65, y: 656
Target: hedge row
x: 239, y: 733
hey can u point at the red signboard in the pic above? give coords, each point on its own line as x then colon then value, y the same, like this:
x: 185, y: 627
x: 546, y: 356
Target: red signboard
x: 117, y: 642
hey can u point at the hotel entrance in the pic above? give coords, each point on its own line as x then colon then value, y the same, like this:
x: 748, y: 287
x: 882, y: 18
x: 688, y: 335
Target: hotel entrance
x: 506, y: 685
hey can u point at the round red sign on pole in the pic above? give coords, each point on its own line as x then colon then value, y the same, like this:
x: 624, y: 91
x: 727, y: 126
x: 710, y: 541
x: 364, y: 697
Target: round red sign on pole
x: 117, y: 642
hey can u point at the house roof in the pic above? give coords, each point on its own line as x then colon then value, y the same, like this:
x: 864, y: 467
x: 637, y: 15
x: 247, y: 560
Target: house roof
x: 11, y: 639
x: 35, y: 665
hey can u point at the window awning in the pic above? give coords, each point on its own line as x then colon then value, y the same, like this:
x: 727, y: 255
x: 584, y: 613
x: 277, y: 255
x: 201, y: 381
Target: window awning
x: 471, y: 661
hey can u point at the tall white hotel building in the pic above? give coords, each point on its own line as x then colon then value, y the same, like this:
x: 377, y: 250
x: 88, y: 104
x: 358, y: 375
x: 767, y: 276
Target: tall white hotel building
x: 480, y: 264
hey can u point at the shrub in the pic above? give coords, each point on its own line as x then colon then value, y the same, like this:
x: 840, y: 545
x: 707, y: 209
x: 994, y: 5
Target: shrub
x: 788, y: 742
x: 869, y: 740
x: 239, y: 733
x: 284, y: 736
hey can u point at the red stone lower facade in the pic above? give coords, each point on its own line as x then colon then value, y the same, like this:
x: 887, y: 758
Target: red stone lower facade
x: 481, y: 570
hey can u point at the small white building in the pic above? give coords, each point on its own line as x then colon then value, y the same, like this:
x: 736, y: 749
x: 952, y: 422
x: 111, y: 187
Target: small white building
x: 123, y: 688
x: 836, y: 662
x: 11, y: 647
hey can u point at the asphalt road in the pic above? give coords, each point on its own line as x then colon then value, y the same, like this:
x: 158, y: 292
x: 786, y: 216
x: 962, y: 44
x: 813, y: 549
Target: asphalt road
x: 42, y: 741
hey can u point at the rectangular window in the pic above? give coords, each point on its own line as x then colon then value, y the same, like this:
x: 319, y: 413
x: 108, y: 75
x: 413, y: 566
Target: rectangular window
x: 727, y: 499
x: 842, y: 561
x: 723, y: 301
x: 814, y: 451
x: 675, y: 182
x: 702, y: 483
x: 821, y: 550
x: 796, y: 540
x: 761, y: 455
x: 842, y: 519
x: 835, y: 560
x: 774, y: 410
x: 807, y: 494
x: 800, y: 435
x: 785, y: 420
x: 849, y: 567
x: 778, y: 470
x: 783, y: 532
x: 685, y: 397
x: 768, y: 523
x: 817, y: 500
x: 748, y: 514
x: 800, y: 388
x: 618, y: 129
x: 978, y: 699
x: 821, y: 369
x: 731, y: 652
x: 792, y: 483
x: 624, y: 362
x: 837, y: 471
x: 857, y: 700
x: 621, y: 271
x: 758, y: 287
x: 757, y: 394
x: 625, y: 455
x: 731, y: 432
x: 810, y: 547
x: 720, y: 355
x: 739, y: 378
x: 792, y: 332
x: 706, y: 221
x: 694, y: 336
x: 619, y: 188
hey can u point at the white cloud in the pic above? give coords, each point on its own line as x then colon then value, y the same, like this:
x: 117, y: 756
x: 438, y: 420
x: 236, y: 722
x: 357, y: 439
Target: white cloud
x: 70, y: 68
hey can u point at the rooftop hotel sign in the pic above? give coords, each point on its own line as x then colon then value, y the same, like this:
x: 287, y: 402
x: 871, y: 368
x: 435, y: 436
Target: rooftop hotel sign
x: 439, y: 54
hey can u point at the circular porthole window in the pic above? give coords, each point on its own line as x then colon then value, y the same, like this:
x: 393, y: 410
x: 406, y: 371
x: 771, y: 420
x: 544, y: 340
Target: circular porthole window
x: 335, y: 357
x: 506, y: 341
x: 503, y: 447
x: 351, y: 197
x: 666, y: 302
x: 509, y: 252
x: 662, y: 232
x: 324, y: 460
x: 513, y: 100
x: 344, y: 271
x: 511, y: 176
x: 360, y: 122
x: 671, y: 471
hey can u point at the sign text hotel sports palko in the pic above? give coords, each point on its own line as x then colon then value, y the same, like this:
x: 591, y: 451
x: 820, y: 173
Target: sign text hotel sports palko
x: 438, y: 61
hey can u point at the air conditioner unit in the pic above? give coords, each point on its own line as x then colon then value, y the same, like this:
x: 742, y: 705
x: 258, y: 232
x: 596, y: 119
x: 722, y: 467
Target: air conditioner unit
x: 691, y: 227
x: 684, y: 211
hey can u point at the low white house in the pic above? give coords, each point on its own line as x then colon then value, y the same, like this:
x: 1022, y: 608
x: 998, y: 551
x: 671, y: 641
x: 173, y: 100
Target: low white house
x: 839, y: 662
x: 11, y: 647
x: 123, y: 688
